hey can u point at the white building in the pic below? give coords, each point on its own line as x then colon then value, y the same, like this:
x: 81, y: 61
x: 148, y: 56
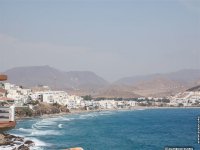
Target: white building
x: 186, y: 98
x: 20, y: 95
x: 131, y: 103
x: 107, y: 104
x: 60, y: 97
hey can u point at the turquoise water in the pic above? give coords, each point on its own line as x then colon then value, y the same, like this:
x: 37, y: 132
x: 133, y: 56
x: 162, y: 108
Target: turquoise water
x: 118, y: 130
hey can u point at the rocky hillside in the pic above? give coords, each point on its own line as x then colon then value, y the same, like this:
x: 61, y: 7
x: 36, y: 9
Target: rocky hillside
x: 88, y: 83
x: 187, y: 76
x: 162, y: 84
x: 56, y: 79
x: 194, y: 89
x: 117, y: 91
x: 40, y: 109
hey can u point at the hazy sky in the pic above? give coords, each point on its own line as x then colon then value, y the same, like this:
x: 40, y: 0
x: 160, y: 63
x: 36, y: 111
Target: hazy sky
x: 113, y: 38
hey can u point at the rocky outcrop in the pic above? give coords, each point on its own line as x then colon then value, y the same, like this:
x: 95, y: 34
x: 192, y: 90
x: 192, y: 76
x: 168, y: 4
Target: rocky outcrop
x: 41, y: 109
x: 44, y: 108
x: 8, y: 141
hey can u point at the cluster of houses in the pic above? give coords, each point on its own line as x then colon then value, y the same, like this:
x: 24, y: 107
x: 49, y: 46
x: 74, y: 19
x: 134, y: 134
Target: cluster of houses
x: 186, y: 99
x: 20, y: 96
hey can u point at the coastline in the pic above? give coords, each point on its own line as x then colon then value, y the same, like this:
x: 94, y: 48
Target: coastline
x: 78, y: 111
x: 14, y: 142
x: 25, y: 142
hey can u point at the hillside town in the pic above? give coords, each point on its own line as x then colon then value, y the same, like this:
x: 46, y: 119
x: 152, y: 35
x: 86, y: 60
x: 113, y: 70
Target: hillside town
x: 20, y: 97
x: 189, y: 98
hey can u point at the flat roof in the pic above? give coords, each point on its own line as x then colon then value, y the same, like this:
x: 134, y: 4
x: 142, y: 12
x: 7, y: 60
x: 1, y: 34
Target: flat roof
x: 3, y: 77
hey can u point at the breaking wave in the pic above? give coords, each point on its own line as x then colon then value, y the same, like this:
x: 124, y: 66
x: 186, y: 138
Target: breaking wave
x: 35, y: 132
x: 60, y: 125
x: 39, y: 129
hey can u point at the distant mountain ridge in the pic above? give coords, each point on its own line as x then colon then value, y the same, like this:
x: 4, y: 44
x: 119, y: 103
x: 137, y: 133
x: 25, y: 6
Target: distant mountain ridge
x: 162, y: 84
x: 45, y: 75
x: 184, y: 76
x: 87, y: 82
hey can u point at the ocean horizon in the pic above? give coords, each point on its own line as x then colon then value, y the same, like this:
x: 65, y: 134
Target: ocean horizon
x: 150, y: 129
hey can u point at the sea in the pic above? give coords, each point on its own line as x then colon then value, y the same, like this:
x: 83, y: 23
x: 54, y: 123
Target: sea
x: 148, y: 129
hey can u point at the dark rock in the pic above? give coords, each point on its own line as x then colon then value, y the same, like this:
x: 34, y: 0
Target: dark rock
x: 17, y: 142
x: 23, y: 147
x: 19, y: 139
x: 11, y: 140
x: 29, y: 143
x: 9, y: 136
x: 5, y: 142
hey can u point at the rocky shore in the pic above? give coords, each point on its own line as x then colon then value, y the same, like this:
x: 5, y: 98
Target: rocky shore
x: 12, y: 142
x: 49, y: 110
x: 39, y: 110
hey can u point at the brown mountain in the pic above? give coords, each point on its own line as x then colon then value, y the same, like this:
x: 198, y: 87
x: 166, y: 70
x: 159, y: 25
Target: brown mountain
x: 56, y: 79
x: 86, y: 82
x: 162, y: 84
x: 117, y: 91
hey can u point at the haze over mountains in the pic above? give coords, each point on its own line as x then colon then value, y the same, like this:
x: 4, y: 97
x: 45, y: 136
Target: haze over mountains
x: 86, y: 82
x: 45, y: 75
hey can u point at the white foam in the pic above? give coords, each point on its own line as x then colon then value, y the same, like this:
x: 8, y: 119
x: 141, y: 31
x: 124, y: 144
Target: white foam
x: 52, y: 119
x: 35, y: 132
x: 67, y: 119
x: 60, y: 125
x: 7, y: 147
x: 85, y: 116
x: 46, y: 122
x: 141, y: 109
x: 106, y: 112
x: 95, y: 114
x: 37, y: 142
x: 25, y: 130
x: 36, y: 126
x: 38, y: 145
x: 36, y: 148
x: 45, y: 132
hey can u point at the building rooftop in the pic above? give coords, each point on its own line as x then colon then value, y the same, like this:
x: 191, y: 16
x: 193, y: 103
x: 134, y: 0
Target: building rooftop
x: 2, y: 90
x: 3, y: 77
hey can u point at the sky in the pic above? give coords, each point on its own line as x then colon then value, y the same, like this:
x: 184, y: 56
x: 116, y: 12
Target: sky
x: 113, y: 38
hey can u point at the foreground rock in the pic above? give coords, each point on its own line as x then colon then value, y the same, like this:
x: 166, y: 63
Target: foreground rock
x: 12, y: 142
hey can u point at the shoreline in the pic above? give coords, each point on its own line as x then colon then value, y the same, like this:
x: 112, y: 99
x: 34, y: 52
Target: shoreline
x: 14, y: 142
x: 100, y: 110
x: 28, y: 143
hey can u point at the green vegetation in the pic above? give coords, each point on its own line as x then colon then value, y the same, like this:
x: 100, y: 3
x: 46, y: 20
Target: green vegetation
x: 180, y: 105
x: 40, y: 109
x: 34, y: 102
x: 23, y: 112
x: 87, y: 97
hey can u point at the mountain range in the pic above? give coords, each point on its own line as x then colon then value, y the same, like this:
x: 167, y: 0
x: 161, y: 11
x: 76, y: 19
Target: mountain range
x: 89, y: 83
